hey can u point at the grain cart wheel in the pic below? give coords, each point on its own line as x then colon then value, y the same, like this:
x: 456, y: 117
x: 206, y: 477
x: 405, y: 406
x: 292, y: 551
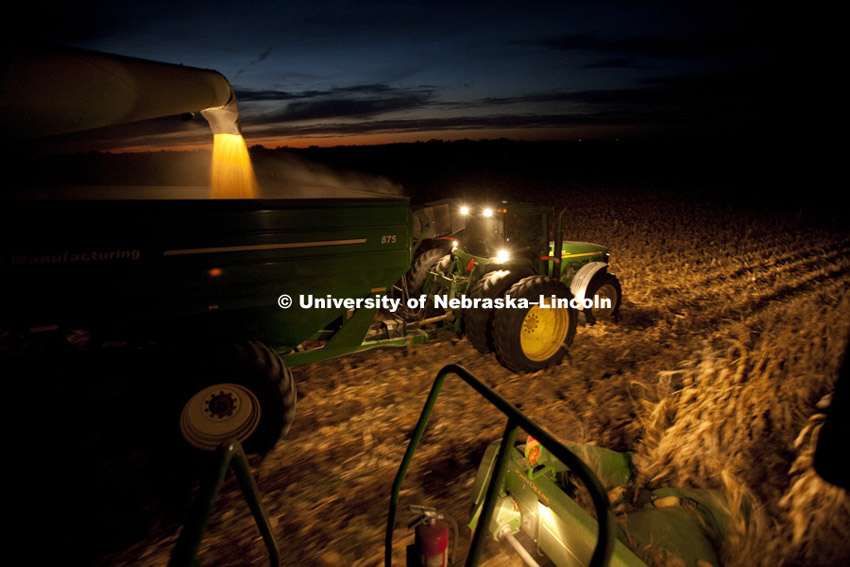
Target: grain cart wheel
x: 533, y: 338
x: 603, y: 285
x: 477, y: 323
x: 241, y: 391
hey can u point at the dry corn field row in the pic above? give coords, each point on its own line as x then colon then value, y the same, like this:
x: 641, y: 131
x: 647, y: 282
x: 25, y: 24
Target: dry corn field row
x: 732, y: 329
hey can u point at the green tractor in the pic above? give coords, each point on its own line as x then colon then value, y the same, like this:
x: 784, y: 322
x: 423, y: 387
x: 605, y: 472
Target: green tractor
x: 511, y: 290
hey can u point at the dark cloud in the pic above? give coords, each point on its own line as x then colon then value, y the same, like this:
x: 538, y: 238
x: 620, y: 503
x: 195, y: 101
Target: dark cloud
x: 706, y: 45
x: 254, y: 95
x: 262, y: 56
x: 450, y: 123
x: 615, y: 63
x: 354, y: 101
x: 718, y: 103
x: 660, y: 92
x: 346, y: 107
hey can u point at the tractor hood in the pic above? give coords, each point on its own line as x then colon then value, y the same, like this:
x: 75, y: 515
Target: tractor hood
x: 579, y: 249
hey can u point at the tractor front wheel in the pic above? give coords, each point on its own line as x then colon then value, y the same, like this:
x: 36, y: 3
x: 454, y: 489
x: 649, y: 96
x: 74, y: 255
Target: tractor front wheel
x: 535, y: 337
x: 603, y: 286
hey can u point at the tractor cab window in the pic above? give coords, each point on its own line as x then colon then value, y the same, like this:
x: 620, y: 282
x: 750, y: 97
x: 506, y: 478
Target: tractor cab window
x: 524, y: 234
x: 484, y: 236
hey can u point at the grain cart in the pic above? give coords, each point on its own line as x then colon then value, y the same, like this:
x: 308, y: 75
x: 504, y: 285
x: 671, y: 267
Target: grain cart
x: 510, y: 289
x: 213, y: 284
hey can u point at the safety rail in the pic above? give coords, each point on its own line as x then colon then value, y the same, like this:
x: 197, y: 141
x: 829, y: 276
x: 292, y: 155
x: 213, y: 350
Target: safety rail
x: 228, y: 455
x: 516, y: 419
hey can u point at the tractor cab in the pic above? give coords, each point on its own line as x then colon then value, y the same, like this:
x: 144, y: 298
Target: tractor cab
x: 508, y: 232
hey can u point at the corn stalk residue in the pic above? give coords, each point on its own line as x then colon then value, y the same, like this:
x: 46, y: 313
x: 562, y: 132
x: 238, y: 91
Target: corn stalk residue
x: 232, y: 174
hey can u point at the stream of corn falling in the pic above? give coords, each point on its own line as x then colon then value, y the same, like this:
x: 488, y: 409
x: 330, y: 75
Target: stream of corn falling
x: 232, y: 175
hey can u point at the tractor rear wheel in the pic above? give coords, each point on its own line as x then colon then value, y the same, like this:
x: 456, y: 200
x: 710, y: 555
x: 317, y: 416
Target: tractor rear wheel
x: 603, y: 286
x: 427, y: 261
x: 477, y: 322
x: 534, y: 338
x: 240, y: 391
x: 412, y: 283
x: 443, y: 267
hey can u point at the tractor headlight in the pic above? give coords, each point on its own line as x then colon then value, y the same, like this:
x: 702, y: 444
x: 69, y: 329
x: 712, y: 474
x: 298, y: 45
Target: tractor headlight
x: 464, y: 210
x: 487, y: 212
x: 502, y: 256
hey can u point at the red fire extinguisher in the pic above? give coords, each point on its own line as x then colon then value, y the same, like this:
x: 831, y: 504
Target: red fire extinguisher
x: 431, y: 540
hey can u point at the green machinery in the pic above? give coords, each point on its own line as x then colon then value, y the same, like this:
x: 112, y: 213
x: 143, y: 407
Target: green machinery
x: 511, y: 289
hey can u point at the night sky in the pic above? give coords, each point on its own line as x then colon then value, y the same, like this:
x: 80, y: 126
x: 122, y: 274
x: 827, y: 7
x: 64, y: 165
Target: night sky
x: 368, y: 72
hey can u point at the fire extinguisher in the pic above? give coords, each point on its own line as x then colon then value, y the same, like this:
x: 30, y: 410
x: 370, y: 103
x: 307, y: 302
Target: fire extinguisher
x: 431, y: 541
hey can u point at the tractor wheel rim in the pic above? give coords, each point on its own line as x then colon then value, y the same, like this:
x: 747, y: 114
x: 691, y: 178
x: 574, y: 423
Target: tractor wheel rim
x: 605, y: 291
x: 219, y: 413
x: 543, y: 331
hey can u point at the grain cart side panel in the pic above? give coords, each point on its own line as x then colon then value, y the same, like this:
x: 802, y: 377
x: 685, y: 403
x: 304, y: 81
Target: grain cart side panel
x: 218, y: 266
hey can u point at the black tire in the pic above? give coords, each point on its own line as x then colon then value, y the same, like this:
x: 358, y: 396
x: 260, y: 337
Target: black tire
x: 412, y: 283
x: 239, y: 391
x: 604, y: 285
x: 477, y: 323
x: 534, y: 338
x: 423, y: 264
x: 444, y: 267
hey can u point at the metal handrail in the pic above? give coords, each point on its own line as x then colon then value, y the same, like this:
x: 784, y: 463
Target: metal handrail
x: 516, y: 419
x: 228, y: 455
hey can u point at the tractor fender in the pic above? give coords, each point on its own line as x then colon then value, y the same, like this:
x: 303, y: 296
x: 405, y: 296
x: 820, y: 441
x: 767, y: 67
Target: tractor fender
x: 582, y: 279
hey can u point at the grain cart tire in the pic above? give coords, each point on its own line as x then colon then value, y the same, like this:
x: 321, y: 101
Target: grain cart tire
x: 240, y: 391
x: 604, y: 285
x: 477, y: 322
x: 534, y: 338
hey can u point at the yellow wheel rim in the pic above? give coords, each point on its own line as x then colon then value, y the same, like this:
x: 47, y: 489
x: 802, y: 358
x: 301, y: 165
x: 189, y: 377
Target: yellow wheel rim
x: 219, y: 413
x: 543, y: 332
